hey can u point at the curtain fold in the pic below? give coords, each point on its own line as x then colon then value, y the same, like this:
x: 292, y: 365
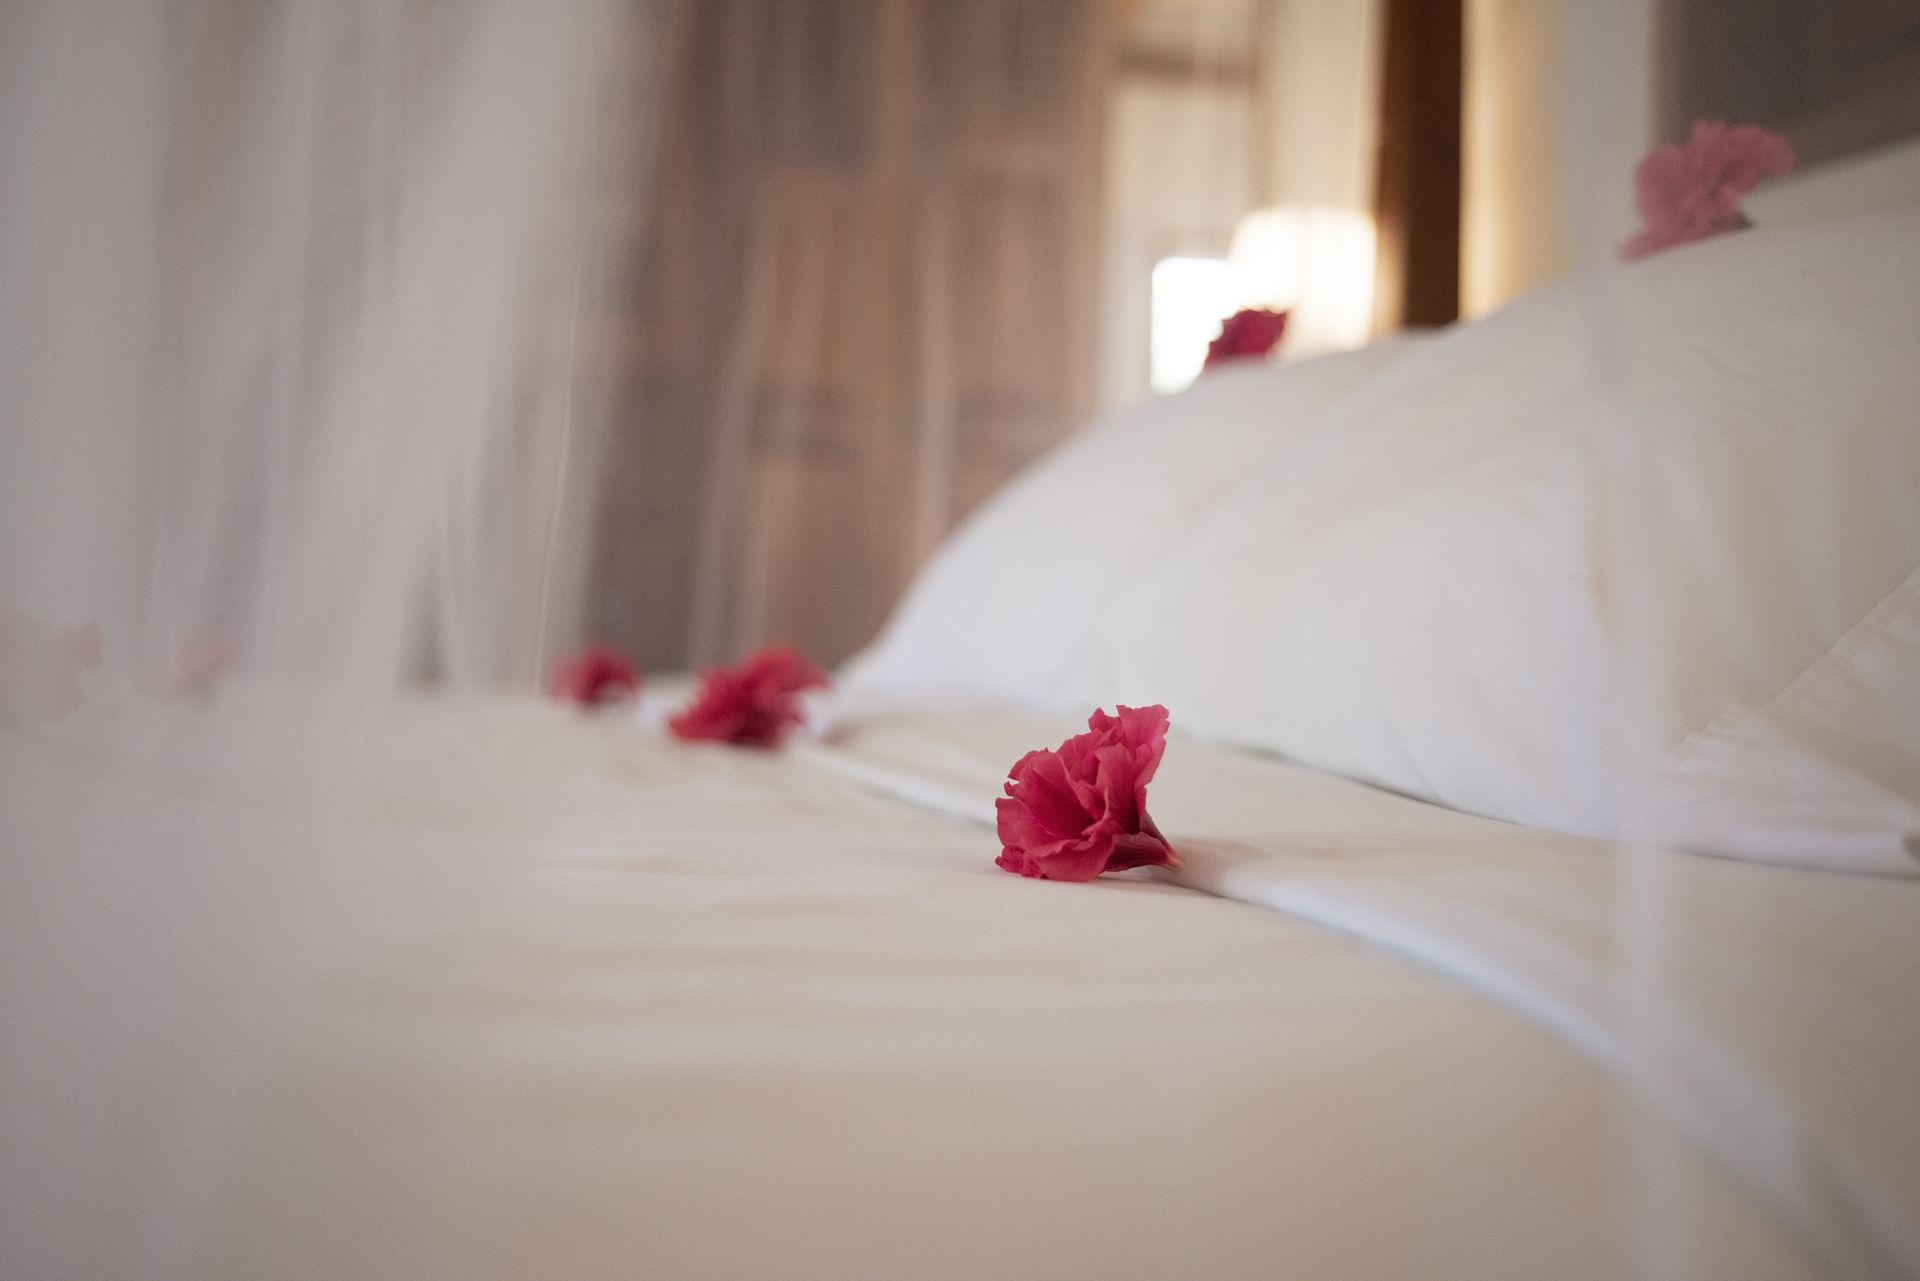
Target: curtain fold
x: 290, y: 292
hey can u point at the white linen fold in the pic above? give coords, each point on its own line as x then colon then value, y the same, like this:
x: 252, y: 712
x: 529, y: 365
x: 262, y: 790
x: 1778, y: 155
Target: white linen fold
x: 1767, y: 1014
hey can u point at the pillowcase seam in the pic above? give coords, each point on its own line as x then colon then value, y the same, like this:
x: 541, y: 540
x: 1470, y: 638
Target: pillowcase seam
x: 1870, y: 624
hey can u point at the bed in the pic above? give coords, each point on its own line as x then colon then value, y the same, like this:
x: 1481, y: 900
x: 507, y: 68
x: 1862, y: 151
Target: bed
x: 563, y: 1000
x: 1451, y: 983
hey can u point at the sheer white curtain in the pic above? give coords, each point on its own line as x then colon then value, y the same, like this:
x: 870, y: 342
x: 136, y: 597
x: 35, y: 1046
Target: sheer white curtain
x: 289, y: 323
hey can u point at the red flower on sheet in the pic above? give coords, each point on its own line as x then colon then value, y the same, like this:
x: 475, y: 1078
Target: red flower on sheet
x: 40, y: 667
x: 753, y: 703
x: 1081, y: 809
x: 1246, y: 335
x: 1692, y: 192
x: 594, y: 676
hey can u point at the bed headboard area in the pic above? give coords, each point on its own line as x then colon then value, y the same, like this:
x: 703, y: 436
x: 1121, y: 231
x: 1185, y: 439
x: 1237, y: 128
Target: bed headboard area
x: 1839, y: 78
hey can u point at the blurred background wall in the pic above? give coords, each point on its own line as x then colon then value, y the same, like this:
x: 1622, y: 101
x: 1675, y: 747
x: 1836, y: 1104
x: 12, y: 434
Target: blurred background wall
x: 415, y: 341
x: 895, y: 249
x: 1560, y: 104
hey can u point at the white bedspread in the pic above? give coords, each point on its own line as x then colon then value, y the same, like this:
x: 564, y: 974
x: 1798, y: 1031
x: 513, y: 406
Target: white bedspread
x: 496, y: 991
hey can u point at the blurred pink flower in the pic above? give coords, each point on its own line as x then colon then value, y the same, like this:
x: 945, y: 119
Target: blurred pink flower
x: 202, y: 662
x: 40, y: 667
x: 594, y: 676
x: 1081, y: 809
x: 1692, y: 192
x: 753, y: 703
x: 1248, y: 334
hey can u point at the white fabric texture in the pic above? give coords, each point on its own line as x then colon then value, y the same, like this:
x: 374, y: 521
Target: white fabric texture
x: 1693, y: 983
x: 1007, y: 606
x: 521, y: 992
x: 1537, y: 568
x: 1836, y: 753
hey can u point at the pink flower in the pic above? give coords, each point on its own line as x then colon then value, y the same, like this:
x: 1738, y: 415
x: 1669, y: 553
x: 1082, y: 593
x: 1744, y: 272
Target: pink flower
x: 40, y: 668
x: 753, y: 703
x: 1692, y: 192
x: 1080, y: 810
x: 594, y: 676
x: 1246, y: 335
x: 203, y: 660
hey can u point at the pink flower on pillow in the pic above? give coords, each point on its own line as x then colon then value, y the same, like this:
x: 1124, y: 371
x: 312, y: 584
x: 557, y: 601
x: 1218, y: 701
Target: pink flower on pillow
x: 40, y: 668
x: 1692, y: 192
x: 1248, y: 334
x: 753, y: 703
x: 594, y: 676
x: 1080, y: 810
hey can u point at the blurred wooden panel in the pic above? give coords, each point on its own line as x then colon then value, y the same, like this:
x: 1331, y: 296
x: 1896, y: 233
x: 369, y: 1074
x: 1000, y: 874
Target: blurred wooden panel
x: 1417, y: 192
x: 644, y: 549
x: 812, y: 79
x: 999, y: 65
x: 803, y: 554
x: 866, y: 271
x: 1009, y: 266
x: 818, y: 328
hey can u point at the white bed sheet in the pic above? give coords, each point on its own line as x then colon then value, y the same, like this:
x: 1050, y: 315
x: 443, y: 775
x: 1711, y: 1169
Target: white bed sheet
x: 1768, y: 1015
x: 492, y: 990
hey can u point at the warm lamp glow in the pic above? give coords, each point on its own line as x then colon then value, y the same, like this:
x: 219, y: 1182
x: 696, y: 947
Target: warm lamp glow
x: 1317, y: 262
x: 1191, y: 296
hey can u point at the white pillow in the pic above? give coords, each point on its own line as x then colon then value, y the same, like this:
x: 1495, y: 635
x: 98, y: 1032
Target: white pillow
x: 1007, y: 607
x: 1638, y: 557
